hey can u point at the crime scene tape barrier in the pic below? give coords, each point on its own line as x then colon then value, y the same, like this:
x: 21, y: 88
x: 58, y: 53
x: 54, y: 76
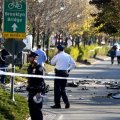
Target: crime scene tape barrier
x: 5, y: 68
x: 51, y: 77
x: 35, y: 76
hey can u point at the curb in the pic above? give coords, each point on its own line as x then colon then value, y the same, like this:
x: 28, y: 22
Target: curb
x: 47, y: 116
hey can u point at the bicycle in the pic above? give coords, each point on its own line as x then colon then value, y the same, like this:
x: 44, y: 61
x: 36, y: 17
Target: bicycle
x: 15, y: 4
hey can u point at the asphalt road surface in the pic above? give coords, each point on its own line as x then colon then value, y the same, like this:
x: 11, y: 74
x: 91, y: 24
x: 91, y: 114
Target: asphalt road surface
x: 89, y: 101
x: 100, y: 70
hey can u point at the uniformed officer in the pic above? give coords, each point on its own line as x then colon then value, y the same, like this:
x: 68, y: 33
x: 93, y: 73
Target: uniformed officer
x: 3, y: 54
x: 35, y: 88
x: 63, y: 63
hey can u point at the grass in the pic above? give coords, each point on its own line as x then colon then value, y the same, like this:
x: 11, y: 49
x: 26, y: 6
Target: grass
x: 10, y: 110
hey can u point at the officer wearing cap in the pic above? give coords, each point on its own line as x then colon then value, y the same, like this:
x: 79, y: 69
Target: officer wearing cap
x: 63, y: 63
x: 35, y: 88
x: 3, y: 55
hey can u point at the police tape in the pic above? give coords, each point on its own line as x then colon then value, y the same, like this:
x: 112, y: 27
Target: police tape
x: 4, y: 68
x: 52, y: 77
x: 34, y: 76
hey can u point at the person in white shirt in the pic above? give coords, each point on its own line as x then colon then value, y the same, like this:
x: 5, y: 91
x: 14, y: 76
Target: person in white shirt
x: 118, y: 56
x: 63, y: 63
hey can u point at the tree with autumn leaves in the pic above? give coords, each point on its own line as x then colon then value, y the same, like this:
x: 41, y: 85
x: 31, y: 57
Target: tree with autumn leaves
x: 75, y: 17
x: 108, y: 16
x: 55, y: 15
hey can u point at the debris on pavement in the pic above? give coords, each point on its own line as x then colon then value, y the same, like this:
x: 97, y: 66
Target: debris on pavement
x: 112, y: 85
x: 72, y: 84
x: 114, y: 95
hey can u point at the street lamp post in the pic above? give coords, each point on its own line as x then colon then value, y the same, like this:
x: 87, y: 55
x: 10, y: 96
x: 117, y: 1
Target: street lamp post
x: 33, y: 37
x: 43, y: 38
x: 47, y: 44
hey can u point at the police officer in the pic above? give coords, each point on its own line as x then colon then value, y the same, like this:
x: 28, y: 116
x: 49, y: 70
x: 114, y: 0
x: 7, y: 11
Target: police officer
x: 3, y: 66
x: 63, y: 63
x: 35, y: 88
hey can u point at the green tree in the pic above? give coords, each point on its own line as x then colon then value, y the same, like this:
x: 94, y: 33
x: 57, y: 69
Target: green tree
x: 108, y: 16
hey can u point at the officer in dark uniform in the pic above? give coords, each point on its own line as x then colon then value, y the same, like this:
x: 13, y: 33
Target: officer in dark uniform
x: 35, y: 88
x: 3, y: 54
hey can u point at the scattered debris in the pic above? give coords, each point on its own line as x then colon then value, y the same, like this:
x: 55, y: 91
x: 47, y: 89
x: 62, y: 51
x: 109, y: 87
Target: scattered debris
x: 81, y: 98
x: 84, y: 88
x: 112, y: 85
x: 114, y: 95
x: 73, y: 84
x: 98, y: 82
x: 84, y: 82
x: 47, y: 88
x: 20, y: 88
x: 69, y: 90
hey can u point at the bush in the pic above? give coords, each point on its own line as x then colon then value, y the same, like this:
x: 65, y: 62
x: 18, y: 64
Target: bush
x: 68, y: 49
x: 51, y: 53
x: 91, y: 54
x: 103, y: 51
x: 86, y: 52
x: 10, y: 110
x: 96, y: 52
x: 73, y: 51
